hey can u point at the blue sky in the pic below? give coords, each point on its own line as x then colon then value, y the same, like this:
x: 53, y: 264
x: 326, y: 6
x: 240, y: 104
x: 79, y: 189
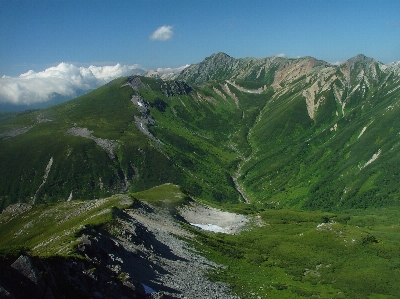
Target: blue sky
x: 38, y: 34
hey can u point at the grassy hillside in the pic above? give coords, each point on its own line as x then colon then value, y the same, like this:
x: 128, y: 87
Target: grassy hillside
x: 283, y: 254
x: 103, y: 143
x: 307, y: 149
x: 80, y: 166
x: 338, y: 159
x: 299, y: 254
x: 274, y: 132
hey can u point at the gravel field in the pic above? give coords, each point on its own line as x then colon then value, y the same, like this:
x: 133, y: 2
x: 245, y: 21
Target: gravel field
x: 176, y: 270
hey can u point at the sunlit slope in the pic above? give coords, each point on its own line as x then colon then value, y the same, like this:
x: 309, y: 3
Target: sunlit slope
x: 272, y: 131
x: 204, y: 133
x: 87, y: 148
x: 329, y: 140
x: 132, y: 134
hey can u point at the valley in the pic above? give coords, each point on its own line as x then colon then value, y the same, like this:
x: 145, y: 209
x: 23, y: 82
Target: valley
x: 296, y: 158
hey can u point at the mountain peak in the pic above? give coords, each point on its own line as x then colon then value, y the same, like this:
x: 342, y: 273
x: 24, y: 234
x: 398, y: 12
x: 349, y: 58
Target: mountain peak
x: 360, y: 58
x: 216, y: 65
x: 220, y: 57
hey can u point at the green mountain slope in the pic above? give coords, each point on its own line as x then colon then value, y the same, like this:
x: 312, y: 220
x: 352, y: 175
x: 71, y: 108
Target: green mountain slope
x: 86, y: 148
x: 264, y: 137
x: 272, y: 131
x: 132, y: 134
x: 329, y: 140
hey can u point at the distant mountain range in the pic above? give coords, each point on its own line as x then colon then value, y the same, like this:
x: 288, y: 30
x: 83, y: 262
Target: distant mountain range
x: 271, y: 131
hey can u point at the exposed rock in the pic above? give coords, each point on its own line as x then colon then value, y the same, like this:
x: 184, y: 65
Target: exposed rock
x: 30, y: 280
x: 175, y: 88
x: 24, y: 266
x: 164, y: 261
x: 67, y: 278
x: 135, y: 83
x: 17, y: 209
x: 15, y: 132
x: 294, y: 69
x: 46, y: 174
x: 108, y: 145
x: 4, y: 294
x: 146, y: 119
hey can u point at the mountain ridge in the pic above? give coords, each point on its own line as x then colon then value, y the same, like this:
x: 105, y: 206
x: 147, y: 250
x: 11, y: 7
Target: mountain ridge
x: 215, y: 118
x: 113, y: 189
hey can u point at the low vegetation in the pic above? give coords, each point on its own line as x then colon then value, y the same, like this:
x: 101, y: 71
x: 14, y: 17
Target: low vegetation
x: 284, y: 254
x: 52, y: 229
x: 312, y: 157
x: 298, y: 254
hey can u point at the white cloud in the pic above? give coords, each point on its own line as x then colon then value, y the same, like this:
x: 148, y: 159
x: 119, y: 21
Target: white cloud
x: 169, y: 70
x: 280, y: 55
x: 64, y: 79
x: 162, y: 33
x: 336, y: 63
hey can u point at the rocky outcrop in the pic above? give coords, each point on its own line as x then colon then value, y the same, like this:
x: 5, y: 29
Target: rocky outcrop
x: 141, y: 254
x: 46, y: 174
x: 15, y: 132
x: 175, y: 88
x: 13, y: 210
x: 108, y: 145
x: 57, y: 277
x: 31, y: 282
x: 142, y: 122
x: 275, y: 70
x: 135, y: 83
x: 219, y: 64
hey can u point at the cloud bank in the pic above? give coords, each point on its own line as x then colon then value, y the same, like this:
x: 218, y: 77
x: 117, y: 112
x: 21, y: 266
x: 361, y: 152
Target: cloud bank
x: 162, y: 33
x: 336, y: 62
x: 169, y: 70
x: 64, y: 79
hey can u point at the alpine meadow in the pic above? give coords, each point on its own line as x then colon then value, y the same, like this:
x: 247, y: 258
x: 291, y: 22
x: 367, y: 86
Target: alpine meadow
x: 234, y: 178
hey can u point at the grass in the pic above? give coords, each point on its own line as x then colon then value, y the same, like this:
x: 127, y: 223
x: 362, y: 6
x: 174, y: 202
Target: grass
x: 344, y: 246
x: 286, y: 157
x: 299, y: 254
x: 51, y: 229
x: 166, y: 195
x: 286, y: 254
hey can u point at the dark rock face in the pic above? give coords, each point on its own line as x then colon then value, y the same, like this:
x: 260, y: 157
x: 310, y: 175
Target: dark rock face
x: 135, y: 83
x: 176, y: 88
x: 57, y: 277
x: 23, y: 280
x: 4, y: 294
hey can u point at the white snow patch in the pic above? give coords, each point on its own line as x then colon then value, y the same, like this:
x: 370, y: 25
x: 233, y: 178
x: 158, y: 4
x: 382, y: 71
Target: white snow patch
x: 362, y: 132
x: 212, y: 219
x: 46, y: 174
x: 148, y: 289
x: 210, y: 227
x: 374, y: 157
